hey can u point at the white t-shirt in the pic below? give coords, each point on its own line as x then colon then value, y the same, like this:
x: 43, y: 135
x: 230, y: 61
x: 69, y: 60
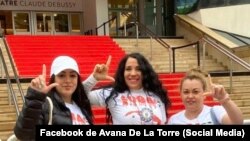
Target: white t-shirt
x: 204, y: 118
x: 77, y: 117
x: 136, y: 107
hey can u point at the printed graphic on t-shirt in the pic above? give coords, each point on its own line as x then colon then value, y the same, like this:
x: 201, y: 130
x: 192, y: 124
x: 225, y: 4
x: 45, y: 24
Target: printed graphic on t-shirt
x: 76, y: 114
x: 78, y: 119
x: 145, y: 107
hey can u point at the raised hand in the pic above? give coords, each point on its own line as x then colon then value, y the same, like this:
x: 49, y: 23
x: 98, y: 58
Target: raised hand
x: 217, y: 91
x: 39, y: 83
x: 101, y: 71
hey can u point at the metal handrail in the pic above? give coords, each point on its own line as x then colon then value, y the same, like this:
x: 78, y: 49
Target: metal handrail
x: 12, y: 92
x: 103, y: 25
x: 227, y: 53
x: 218, y: 47
x: 152, y: 35
x: 148, y: 31
x: 184, y: 46
x: 216, y: 43
x: 14, y: 70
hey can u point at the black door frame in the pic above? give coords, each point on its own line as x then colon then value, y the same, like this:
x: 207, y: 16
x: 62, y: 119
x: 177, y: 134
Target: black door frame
x: 3, y: 23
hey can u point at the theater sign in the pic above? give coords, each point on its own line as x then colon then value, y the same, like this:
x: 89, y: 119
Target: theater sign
x: 42, y: 5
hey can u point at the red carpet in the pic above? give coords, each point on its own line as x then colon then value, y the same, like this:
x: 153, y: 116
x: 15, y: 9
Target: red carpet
x: 31, y: 52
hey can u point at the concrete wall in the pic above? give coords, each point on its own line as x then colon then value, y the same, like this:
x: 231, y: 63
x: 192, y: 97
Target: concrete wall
x: 192, y: 34
x: 102, y: 15
x: 233, y: 19
x: 95, y: 13
x: 89, y: 22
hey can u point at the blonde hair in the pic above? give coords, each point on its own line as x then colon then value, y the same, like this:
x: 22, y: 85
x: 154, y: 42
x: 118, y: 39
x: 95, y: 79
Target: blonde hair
x: 196, y: 74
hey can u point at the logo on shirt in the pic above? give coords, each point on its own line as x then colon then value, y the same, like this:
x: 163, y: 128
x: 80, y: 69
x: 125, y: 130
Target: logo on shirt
x: 144, y: 106
x: 146, y: 114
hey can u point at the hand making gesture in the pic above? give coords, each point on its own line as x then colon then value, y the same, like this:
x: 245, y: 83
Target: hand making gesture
x: 101, y: 71
x: 217, y: 91
x: 39, y: 83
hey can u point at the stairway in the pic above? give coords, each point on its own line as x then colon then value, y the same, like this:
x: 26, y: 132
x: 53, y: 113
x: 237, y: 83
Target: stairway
x: 240, y: 92
x: 8, y: 111
x: 30, y: 52
x: 158, y: 56
x: 185, y: 60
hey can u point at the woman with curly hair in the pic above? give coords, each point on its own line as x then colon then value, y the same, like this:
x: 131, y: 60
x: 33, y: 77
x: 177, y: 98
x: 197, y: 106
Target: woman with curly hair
x: 136, y: 96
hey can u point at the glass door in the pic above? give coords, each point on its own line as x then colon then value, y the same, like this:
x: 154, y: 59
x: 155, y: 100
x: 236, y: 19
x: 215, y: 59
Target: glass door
x: 21, y: 22
x: 76, y: 22
x: 61, y: 23
x: 123, y: 23
x: 46, y: 23
x: 43, y: 23
x: 2, y: 26
x: 51, y: 23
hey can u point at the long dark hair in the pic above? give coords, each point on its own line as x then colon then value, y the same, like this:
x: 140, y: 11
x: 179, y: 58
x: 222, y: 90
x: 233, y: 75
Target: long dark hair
x: 150, y: 81
x: 79, y: 97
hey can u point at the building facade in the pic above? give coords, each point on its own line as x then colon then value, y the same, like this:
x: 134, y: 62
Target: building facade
x: 74, y: 17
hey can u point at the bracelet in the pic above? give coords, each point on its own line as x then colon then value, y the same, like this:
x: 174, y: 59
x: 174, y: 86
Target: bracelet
x: 226, y: 99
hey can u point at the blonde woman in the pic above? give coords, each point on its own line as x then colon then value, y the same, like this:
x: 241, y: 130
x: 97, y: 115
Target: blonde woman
x: 193, y: 90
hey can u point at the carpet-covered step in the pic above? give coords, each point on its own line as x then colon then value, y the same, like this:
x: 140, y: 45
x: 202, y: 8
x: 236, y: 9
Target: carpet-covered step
x: 31, y: 52
x: 171, y: 75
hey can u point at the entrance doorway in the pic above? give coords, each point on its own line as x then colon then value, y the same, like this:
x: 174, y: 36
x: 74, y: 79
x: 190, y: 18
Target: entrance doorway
x: 46, y: 23
x: 2, y: 25
x: 51, y: 23
x: 21, y: 22
x: 57, y: 23
x: 123, y: 23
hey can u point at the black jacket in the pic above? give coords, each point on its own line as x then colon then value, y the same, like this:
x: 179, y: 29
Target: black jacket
x: 36, y: 112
